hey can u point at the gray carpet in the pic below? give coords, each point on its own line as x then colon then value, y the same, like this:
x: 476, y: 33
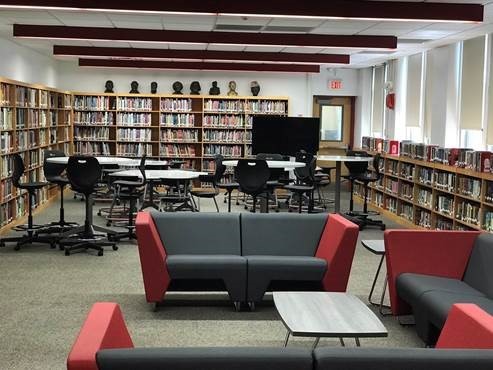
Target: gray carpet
x: 45, y: 297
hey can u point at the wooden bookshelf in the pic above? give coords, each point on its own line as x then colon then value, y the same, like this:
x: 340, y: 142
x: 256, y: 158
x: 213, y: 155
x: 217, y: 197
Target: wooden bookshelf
x: 432, y: 195
x: 33, y: 118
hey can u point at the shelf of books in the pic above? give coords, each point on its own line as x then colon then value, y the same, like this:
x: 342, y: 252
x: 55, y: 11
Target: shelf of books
x: 428, y: 187
x: 191, y: 128
x: 32, y: 119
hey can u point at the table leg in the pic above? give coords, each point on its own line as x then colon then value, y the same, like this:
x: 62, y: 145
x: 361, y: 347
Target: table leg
x: 150, y: 202
x: 337, y: 203
x: 382, y: 306
x: 286, y: 340
x: 358, y: 344
x: 315, y: 344
x: 377, y: 273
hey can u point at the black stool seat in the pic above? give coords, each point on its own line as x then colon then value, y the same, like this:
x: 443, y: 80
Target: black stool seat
x: 299, y: 188
x: 228, y: 185
x: 32, y: 185
x: 204, y: 193
x: 59, y: 180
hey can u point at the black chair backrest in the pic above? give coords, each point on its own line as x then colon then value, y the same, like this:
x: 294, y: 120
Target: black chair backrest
x: 53, y: 169
x: 18, y: 169
x: 356, y: 168
x: 270, y: 156
x: 220, y: 169
x: 252, y: 175
x: 142, y: 168
x: 306, y: 174
x: 84, y: 173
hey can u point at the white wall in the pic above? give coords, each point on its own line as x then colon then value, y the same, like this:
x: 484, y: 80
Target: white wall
x: 26, y: 65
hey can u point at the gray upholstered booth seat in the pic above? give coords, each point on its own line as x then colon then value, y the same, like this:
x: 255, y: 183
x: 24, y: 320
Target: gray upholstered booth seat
x: 229, y: 268
x: 479, y: 273
x: 216, y: 358
x: 412, y: 286
x: 401, y: 359
x: 264, y: 269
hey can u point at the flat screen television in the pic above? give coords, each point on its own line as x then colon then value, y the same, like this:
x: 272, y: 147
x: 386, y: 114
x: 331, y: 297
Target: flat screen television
x: 285, y: 135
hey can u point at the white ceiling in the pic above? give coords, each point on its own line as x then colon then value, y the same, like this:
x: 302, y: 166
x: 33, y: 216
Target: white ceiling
x: 413, y: 37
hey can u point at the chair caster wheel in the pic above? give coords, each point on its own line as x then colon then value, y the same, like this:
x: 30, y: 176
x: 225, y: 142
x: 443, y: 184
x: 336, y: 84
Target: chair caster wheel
x: 108, y: 223
x: 110, y: 237
x: 382, y: 227
x: 115, y: 248
x: 246, y: 207
x: 67, y: 252
x: 100, y: 253
x: 17, y: 247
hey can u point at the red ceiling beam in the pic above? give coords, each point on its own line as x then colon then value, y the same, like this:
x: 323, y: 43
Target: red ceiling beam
x: 358, y: 9
x: 152, y: 64
x: 232, y: 38
x: 91, y: 51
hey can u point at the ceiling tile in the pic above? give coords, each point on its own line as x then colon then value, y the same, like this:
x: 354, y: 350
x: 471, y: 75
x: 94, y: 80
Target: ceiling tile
x: 295, y: 22
x: 304, y: 50
x: 189, y: 19
x: 188, y: 26
x: 150, y: 45
x: 225, y: 47
x: 228, y: 19
x: 265, y: 48
x: 188, y: 46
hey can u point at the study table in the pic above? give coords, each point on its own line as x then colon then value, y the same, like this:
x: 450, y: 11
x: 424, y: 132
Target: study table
x: 338, y: 159
x: 106, y: 161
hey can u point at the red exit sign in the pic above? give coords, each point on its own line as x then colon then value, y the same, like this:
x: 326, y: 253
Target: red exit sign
x: 335, y: 84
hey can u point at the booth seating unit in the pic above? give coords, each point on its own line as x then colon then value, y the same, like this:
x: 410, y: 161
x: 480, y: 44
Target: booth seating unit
x: 247, y: 252
x: 429, y: 271
x: 104, y: 343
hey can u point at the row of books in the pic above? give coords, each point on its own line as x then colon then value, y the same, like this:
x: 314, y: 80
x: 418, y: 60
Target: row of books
x: 233, y: 106
x: 176, y: 105
x: 425, y: 175
x: 179, y: 135
x: 266, y: 106
x: 407, y: 212
x: 391, y: 205
x: 92, y: 148
x: 445, y: 204
x: 225, y: 150
x: 468, y: 212
x: 179, y: 120
x: 488, y: 221
x: 135, y: 104
x: 444, y: 180
x: 134, y: 134
x: 423, y: 218
x: 134, y: 150
x: 392, y: 167
x: 224, y: 121
x: 91, y: 103
x: 25, y: 139
x: 25, y: 97
x: 8, y: 190
x: 407, y: 171
x: 134, y: 119
x: 6, y: 166
x: 5, y: 96
x: 488, y: 195
x: 230, y: 136
x: 380, y: 145
x: 444, y: 224
x: 392, y: 186
x: 91, y: 133
x: 6, y: 143
x: 424, y: 197
x: 6, y: 122
x: 407, y: 191
x: 469, y: 186
x: 177, y: 150
x: 93, y: 118
x: 7, y: 212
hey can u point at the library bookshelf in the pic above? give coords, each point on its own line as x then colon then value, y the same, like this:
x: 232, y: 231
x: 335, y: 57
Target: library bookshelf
x: 33, y: 118
x: 192, y: 128
x: 432, y: 196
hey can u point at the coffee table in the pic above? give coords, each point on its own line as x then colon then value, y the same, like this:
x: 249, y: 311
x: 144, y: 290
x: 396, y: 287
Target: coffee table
x: 328, y: 315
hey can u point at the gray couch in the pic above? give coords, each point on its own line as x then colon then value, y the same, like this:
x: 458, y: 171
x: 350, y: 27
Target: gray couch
x: 431, y: 296
x: 247, y: 252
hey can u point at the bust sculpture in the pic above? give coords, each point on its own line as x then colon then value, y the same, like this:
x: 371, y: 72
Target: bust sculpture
x: 195, y: 88
x: 254, y: 88
x: 153, y: 87
x: 177, y: 88
x: 108, y: 86
x: 232, y: 88
x: 134, y: 87
x: 214, y: 90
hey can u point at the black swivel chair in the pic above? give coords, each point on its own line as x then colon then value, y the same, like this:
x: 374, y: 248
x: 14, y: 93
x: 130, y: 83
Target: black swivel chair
x: 252, y: 176
x: 84, y: 173
x: 358, y: 172
x: 305, y: 179
x: 214, y: 179
x: 54, y: 174
x: 229, y: 187
x: 276, y: 174
x: 130, y: 190
x: 32, y: 231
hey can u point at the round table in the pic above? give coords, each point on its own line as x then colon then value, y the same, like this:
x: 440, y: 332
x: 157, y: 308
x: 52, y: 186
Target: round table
x: 339, y: 159
x: 120, y: 161
x: 151, y: 175
x: 271, y: 164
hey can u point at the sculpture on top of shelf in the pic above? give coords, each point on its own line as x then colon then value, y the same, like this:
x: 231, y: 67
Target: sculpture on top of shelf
x: 214, y: 90
x: 195, y: 88
x: 108, y: 86
x: 232, y: 88
x: 177, y: 88
x: 134, y: 87
x: 254, y: 88
x: 153, y: 87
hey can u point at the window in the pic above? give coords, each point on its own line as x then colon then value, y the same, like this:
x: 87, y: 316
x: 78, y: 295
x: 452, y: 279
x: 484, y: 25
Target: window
x: 331, y: 122
x: 471, y: 139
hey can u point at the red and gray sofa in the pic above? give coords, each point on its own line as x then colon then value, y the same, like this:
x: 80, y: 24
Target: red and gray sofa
x: 104, y: 343
x: 248, y: 253
x: 429, y: 271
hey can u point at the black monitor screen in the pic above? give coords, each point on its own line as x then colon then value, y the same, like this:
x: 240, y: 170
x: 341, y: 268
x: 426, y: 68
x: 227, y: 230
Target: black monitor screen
x: 285, y: 135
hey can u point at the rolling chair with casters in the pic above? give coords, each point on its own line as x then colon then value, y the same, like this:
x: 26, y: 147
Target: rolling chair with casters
x: 211, y: 178
x: 84, y: 174
x: 32, y: 231
x: 252, y: 176
x: 276, y: 174
x: 229, y: 187
x: 358, y: 171
x: 54, y: 174
x: 131, y: 191
x: 304, y: 180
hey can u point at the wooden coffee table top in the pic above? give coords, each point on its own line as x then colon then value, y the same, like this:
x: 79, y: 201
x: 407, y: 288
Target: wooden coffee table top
x: 327, y: 314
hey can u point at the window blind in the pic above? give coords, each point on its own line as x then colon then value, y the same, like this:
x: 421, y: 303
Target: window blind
x: 378, y: 95
x: 413, y: 93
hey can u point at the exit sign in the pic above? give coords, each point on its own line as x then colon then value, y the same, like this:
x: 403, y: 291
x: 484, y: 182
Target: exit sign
x: 335, y: 84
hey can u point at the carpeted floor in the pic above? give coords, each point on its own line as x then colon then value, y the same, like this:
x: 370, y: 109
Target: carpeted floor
x: 46, y: 295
